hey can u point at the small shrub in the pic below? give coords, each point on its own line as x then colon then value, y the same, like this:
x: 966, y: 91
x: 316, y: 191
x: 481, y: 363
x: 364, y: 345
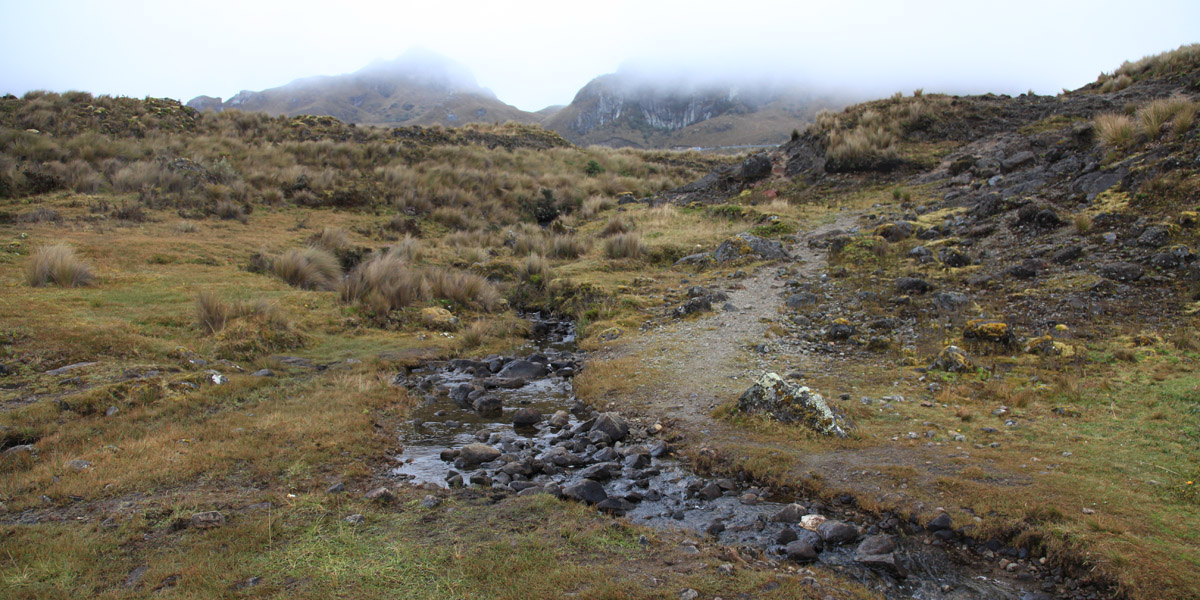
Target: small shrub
x: 625, y: 245
x: 593, y: 168
x: 57, y: 264
x: 186, y: 227
x: 1115, y: 131
x: 131, y: 212
x: 308, y: 268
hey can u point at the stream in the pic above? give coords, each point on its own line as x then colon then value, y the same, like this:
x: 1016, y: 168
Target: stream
x: 468, y: 413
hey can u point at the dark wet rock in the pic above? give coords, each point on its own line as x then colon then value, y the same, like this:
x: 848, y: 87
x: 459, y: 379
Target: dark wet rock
x: 949, y: 302
x: 913, y: 285
x: 786, y: 536
x: 789, y: 514
x: 460, y: 392
x: 488, y: 405
x: 800, y: 551
x: 876, y: 544
x: 615, y: 506
x: 790, y: 403
x: 523, y: 369
x: 561, y: 457
x: 613, y: 425
x: 1165, y: 261
x: 747, y: 245
x: 585, y: 490
x: 602, y: 471
x: 607, y: 454
x: 884, y: 562
x: 526, y: 417
x: 895, y: 232
x: 837, y: 532
x: 208, y: 520
x: 712, y: 491
x: 560, y: 419
x: 1016, y: 161
x: 637, y: 461
x: 475, y: 454
x: 714, y: 527
x: 380, y: 494
x: 839, y: 331
x: 659, y: 449
x: 940, y: 522
x: 1122, y: 271
x: 449, y: 454
x: 1028, y: 269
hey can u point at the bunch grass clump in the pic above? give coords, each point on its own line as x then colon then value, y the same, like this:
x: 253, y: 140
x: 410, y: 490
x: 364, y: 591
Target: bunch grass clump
x: 388, y: 281
x: 308, y: 268
x: 625, y: 245
x: 59, y: 265
x: 1115, y: 130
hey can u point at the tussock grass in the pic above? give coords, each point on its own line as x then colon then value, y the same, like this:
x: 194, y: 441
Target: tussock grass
x: 229, y: 210
x: 616, y: 226
x: 388, y: 281
x: 1157, y: 113
x: 308, y: 268
x: 1115, y: 131
x: 59, y: 265
x: 625, y: 245
x: 330, y: 239
x: 535, y: 270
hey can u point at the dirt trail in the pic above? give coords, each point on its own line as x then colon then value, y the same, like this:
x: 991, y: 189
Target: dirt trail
x: 702, y: 362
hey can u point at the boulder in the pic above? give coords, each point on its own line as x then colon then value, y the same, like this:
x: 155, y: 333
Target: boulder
x: 526, y: 417
x: 585, y: 490
x: 475, y: 454
x: 954, y: 258
x: 800, y: 551
x: 1122, y: 271
x: 989, y: 330
x: 876, y: 544
x: 747, y: 245
x: 523, y: 369
x: 208, y: 520
x: 791, y: 513
x: 802, y: 300
x: 895, y: 232
x: 950, y: 302
x: 1155, y: 236
x: 837, y: 532
x: 612, y: 425
x: 487, y: 405
x: 790, y: 403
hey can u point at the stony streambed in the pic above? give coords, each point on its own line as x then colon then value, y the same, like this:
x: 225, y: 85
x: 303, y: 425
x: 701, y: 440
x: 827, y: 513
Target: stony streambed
x: 514, y: 424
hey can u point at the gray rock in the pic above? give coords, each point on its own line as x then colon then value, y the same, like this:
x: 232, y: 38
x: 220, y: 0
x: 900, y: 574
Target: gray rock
x: 615, y: 506
x: 940, y: 522
x: 787, y: 402
x: 380, y: 494
x: 1122, y: 271
x: 876, y: 544
x: 949, y: 302
x: 1066, y: 255
x: 560, y: 419
x: 585, y: 490
x: 112, y: 411
x: 747, y: 245
x: 431, y: 501
x: 336, y: 488
x: 69, y: 368
x: 801, y: 300
x: 355, y: 519
x: 712, y: 491
x: 954, y: 258
x: 837, y: 532
x: 561, y: 457
x: 1154, y: 237
x: 886, y: 562
x: 474, y: 454
x: 601, y: 471
x: 613, y: 425
x: 523, y: 369
x: 526, y: 417
x: 208, y: 520
x: 800, y: 551
x: 1017, y: 161
x: 789, y: 514
x: 263, y: 373
x: 786, y: 536
x: 78, y: 465
x: 488, y: 405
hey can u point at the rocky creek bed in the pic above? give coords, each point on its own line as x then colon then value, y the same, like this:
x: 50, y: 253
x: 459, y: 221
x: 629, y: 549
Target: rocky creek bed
x: 514, y: 424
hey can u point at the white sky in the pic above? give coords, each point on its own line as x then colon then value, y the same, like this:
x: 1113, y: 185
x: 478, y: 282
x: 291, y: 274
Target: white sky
x: 535, y: 53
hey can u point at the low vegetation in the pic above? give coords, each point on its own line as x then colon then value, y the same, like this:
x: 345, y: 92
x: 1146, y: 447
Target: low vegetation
x: 57, y: 264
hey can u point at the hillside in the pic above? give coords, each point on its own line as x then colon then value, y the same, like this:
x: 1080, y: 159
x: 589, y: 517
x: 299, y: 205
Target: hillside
x: 635, y: 110
x: 930, y: 346
x: 416, y: 88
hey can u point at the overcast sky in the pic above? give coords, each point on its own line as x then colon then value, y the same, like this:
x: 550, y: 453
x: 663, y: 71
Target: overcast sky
x: 538, y: 53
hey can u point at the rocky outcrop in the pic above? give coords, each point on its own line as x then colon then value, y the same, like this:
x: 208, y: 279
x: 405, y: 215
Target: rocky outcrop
x: 790, y: 403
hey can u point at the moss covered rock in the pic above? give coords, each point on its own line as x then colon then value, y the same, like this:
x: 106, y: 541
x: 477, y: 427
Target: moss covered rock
x: 790, y: 403
x: 989, y: 330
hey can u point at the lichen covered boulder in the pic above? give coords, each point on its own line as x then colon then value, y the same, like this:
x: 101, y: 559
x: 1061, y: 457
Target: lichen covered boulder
x: 790, y: 403
x: 989, y: 330
x: 747, y: 245
x: 952, y: 359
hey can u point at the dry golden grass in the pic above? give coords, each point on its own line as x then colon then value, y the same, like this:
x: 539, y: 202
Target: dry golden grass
x: 1115, y: 131
x: 624, y: 245
x: 59, y: 265
x: 308, y: 268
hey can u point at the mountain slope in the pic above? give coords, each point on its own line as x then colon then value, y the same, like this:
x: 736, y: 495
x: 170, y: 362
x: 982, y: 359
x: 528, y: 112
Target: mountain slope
x: 628, y: 108
x: 417, y: 88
